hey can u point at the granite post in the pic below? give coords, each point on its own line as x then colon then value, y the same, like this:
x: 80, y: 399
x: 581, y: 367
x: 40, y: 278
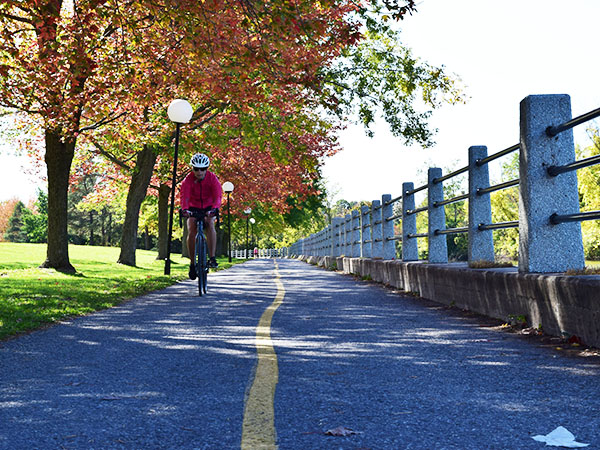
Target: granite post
x: 481, y: 242
x: 365, y: 214
x: 387, y: 227
x: 410, y: 246
x: 544, y: 247
x: 376, y: 248
x: 438, y: 247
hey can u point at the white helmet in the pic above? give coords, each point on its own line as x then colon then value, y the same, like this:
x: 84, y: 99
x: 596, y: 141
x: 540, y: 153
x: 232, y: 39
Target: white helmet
x: 200, y: 160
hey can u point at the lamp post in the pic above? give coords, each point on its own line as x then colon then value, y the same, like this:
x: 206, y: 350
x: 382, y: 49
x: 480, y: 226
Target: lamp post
x: 179, y: 111
x: 247, y: 211
x: 228, y: 189
x: 252, y: 222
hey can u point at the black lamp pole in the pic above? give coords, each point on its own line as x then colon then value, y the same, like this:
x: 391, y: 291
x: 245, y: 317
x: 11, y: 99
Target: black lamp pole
x: 247, y: 220
x: 229, y: 227
x: 168, y: 258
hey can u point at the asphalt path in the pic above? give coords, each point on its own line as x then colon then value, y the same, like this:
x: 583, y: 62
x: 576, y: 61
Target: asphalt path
x: 171, y: 370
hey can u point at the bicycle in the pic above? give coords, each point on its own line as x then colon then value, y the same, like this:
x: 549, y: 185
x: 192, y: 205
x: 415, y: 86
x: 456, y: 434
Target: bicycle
x: 200, y: 250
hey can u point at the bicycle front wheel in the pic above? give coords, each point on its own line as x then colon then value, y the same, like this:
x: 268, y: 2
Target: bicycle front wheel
x: 201, y: 265
x: 205, y: 276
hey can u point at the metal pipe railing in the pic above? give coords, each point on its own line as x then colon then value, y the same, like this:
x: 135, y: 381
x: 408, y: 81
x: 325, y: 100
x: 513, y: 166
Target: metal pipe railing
x: 450, y: 175
x: 555, y: 218
x: 451, y: 200
x: 416, y: 211
x: 452, y: 231
x: 498, y: 226
x: 555, y: 130
x: 481, y: 162
x: 417, y: 235
x: 557, y: 170
x: 393, y: 200
x: 414, y: 191
x: 375, y: 229
x: 497, y: 187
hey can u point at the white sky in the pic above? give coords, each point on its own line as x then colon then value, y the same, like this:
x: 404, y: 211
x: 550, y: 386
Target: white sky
x: 502, y: 50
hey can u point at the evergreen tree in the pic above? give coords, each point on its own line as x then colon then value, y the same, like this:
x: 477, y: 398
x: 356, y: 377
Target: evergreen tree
x: 36, y: 224
x: 16, y: 229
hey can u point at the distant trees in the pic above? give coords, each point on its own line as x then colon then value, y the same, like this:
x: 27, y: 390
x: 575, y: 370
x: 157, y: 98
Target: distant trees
x: 6, y: 211
x: 24, y: 224
x: 15, y: 232
x: 589, y: 197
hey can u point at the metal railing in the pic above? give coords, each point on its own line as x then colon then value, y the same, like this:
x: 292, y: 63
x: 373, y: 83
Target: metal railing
x: 548, y: 230
x: 261, y: 253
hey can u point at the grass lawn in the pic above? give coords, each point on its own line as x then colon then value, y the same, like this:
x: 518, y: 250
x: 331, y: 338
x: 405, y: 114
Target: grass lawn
x: 31, y: 297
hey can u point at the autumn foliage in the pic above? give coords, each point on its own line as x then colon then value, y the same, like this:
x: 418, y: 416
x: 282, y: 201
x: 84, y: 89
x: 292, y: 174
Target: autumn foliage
x: 6, y: 210
x: 97, y: 75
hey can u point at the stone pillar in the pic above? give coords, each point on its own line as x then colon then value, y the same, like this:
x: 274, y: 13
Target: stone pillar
x: 544, y: 247
x: 387, y: 227
x: 348, y: 235
x: 355, y: 234
x: 376, y: 247
x: 410, y: 246
x: 366, y: 231
x: 336, y: 249
x: 481, y: 243
x: 438, y: 247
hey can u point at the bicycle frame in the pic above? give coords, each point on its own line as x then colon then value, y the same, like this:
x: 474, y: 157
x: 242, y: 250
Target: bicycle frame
x: 200, y: 250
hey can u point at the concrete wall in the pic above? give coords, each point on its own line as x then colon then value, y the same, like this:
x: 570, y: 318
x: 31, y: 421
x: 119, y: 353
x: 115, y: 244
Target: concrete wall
x: 561, y: 305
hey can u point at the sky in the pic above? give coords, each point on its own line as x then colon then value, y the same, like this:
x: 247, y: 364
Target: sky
x: 501, y: 50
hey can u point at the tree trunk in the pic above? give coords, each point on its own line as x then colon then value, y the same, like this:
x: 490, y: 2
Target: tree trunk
x: 144, y: 166
x: 109, y: 231
x: 91, y: 227
x: 59, y: 156
x: 102, y: 229
x: 163, y: 220
x: 147, y: 240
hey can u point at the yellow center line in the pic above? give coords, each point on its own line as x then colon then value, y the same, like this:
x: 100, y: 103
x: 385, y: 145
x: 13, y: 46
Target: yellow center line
x: 258, y: 429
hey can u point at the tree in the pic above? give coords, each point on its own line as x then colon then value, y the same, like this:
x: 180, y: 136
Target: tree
x: 589, y: 197
x: 505, y: 208
x: 6, y: 209
x: 57, y: 60
x: 36, y: 222
x: 15, y: 231
x: 78, y: 67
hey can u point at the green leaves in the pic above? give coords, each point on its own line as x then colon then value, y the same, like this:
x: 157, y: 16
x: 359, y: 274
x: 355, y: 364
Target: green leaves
x: 380, y: 77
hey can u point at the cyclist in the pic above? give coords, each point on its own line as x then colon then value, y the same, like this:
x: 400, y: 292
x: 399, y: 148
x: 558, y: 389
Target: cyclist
x: 201, y: 190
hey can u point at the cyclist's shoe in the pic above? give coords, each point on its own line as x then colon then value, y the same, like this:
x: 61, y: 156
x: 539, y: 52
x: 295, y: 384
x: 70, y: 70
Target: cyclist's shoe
x: 212, y: 263
x: 192, y: 272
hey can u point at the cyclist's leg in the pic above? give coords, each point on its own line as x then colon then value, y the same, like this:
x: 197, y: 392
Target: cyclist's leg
x: 211, y: 236
x: 191, y: 244
x: 211, y: 239
x: 191, y: 237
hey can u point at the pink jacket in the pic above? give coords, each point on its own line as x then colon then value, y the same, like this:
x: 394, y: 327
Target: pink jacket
x: 201, y: 194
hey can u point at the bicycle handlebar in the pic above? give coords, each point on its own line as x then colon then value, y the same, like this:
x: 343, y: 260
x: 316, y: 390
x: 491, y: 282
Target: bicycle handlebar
x: 199, y: 215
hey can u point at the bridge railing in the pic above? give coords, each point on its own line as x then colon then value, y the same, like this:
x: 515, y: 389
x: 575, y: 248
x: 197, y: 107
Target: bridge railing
x: 550, y: 237
x: 262, y: 253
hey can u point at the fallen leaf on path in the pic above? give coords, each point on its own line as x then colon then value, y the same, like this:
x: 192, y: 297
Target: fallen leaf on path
x: 340, y: 431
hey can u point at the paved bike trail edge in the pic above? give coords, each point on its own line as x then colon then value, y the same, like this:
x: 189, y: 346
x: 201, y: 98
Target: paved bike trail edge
x: 173, y: 370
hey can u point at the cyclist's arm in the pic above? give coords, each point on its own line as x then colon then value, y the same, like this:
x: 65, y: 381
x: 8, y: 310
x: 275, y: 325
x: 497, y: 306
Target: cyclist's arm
x: 184, y: 194
x: 217, y: 191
